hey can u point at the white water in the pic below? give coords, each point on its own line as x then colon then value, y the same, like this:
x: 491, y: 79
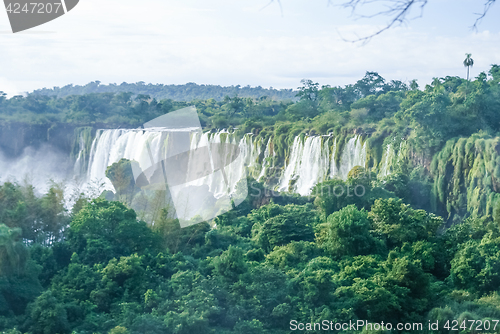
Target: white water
x: 353, y: 154
x: 333, y: 163
x: 266, y: 164
x: 311, y: 159
x: 293, y: 164
x: 80, y: 165
x: 391, y: 159
x: 387, y: 158
x: 149, y: 147
x: 309, y: 165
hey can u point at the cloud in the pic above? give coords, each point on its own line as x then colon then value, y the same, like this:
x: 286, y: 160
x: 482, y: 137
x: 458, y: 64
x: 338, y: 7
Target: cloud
x: 228, y: 43
x: 8, y: 87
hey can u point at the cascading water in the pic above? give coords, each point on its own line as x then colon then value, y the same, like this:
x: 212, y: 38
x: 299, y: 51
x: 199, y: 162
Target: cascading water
x: 314, y: 165
x: 391, y: 159
x: 353, y: 154
x: 311, y: 160
x: 333, y: 164
x: 309, y: 164
x: 254, y: 151
x: 387, y: 160
x: 110, y: 146
x: 79, y: 167
x: 289, y: 171
x: 266, y: 163
x: 178, y: 149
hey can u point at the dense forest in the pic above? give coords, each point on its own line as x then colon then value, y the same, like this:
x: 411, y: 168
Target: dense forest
x: 422, y: 245
x: 187, y: 92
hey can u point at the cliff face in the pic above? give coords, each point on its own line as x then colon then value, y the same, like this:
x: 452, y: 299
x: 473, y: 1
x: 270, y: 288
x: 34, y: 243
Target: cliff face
x: 15, y: 137
x: 467, y: 177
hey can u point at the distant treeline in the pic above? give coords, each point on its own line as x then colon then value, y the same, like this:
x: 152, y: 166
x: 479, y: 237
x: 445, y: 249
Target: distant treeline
x: 187, y: 92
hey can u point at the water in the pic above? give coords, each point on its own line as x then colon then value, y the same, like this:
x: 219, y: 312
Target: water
x: 353, y: 154
x: 266, y: 164
x: 310, y: 161
x: 391, y: 159
x: 387, y: 160
x: 309, y: 165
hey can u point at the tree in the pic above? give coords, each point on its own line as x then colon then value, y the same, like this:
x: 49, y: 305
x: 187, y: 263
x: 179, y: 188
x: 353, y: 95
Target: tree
x: 19, y: 283
x: 119, y: 330
x: 293, y: 256
x: 295, y: 223
x: 230, y: 264
x: 122, y: 177
x: 468, y: 62
x: 53, y: 214
x: 398, y: 11
x: 48, y: 315
x: 103, y: 230
x: 12, y: 206
x: 476, y: 266
x: 398, y: 222
x: 249, y: 327
x: 414, y: 84
x: 371, y: 83
x: 346, y: 232
x: 174, y: 238
x: 309, y: 90
x: 13, y: 254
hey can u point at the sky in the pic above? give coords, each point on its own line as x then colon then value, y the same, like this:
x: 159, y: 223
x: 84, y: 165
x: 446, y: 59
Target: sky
x: 244, y: 42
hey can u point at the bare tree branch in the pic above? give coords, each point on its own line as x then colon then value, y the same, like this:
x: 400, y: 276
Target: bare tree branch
x: 270, y: 2
x: 396, y: 10
x: 487, y: 7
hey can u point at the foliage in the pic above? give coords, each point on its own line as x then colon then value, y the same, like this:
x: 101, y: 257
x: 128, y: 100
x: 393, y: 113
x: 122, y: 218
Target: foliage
x: 251, y: 273
x: 346, y: 233
x: 97, y: 268
x: 187, y: 92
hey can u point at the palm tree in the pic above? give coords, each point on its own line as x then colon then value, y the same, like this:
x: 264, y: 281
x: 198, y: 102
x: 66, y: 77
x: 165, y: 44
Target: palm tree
x: 468, y: 62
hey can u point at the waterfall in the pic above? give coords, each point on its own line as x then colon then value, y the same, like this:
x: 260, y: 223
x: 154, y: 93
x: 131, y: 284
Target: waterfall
x: 110, y: 146
x: 387, y: 161
x: 254, y: 151
x: 80, y: 160
x: 311, y: 159
x: 333, y: 164
x: 309, y: 165
x: 314, y: 165
x: 234, y: 172
x: 266, y: 160
x: 391, y: 159
x: 147, y: 148
x: 293, y: 163
x: 353, y: 154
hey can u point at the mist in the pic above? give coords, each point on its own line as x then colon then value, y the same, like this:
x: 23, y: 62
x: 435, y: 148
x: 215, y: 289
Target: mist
x: 39, y: 167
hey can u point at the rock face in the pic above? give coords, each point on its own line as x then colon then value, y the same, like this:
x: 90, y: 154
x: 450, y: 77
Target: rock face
x: 466, y: 176
x: 15, y: 137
